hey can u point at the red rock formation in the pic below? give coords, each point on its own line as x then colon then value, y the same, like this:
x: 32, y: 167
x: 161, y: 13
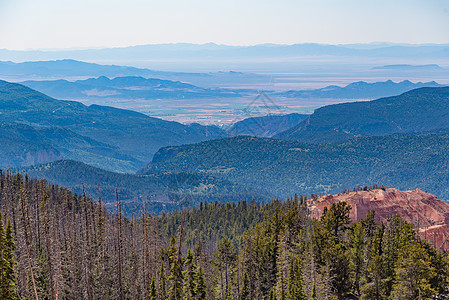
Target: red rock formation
x: 425, y: 210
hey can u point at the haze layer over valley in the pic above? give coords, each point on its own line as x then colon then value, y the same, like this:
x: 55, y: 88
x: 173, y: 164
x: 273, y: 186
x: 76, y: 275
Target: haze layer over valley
x: 217, y: 84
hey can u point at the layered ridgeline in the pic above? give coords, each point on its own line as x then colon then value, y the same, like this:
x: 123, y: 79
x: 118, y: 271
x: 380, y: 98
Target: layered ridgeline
x: 54, y: 243
x: 106, y: 137
x: 287, y: 167
x: 137, y: 87
x: 158, y: 191
x: 225, y: 53
x: 74, y: 69
x: 130, y: 87
x: 420, y: 110
x: 360, y: 90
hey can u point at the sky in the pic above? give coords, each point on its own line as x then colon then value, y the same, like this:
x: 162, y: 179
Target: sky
x: 59, y: 24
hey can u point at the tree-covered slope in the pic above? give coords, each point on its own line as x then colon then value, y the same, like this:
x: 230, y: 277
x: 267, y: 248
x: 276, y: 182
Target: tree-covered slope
x: 419, y: 110
x: 24, y: 145
x: 265, y: 126
x: 160, y: 190
x: 135, y: 134
x: 18, y: 150
x: 286, y: 167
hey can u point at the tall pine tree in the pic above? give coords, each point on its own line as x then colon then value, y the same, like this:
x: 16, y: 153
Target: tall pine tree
x: 7, y: 275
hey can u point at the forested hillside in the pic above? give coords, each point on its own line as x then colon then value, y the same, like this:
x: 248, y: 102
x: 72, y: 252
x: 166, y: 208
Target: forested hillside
x: 25, y: 145
x: 161, y: 191
x: 287, y: 167
x: 265, y: 126
x: 56, y: 244
x: 111, y: 138
x: 419, y: 110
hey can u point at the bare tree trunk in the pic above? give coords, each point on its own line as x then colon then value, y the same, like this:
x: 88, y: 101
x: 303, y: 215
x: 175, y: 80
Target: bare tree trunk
x: 119, y: 244
x: 101, y: 233
x: 146, y: 251
x: 27, y: 240
x: 87, y: 250
x: 44, y: 201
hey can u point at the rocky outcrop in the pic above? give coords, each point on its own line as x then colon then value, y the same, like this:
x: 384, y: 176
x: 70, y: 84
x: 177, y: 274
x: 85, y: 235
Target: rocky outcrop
x: 40, y: 154
x: 40, y: 157
x: 429, y: 214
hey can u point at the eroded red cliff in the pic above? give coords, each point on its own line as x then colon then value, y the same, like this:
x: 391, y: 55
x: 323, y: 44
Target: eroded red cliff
x: 425, y: 210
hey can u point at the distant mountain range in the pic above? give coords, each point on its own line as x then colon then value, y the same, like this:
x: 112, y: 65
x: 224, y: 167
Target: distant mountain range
x: 211, y: 51
x: 107, y: 137
x: 135, y: 87
x: 70, y: 67
x: 61, y: 79
x: 73, y: 69
x: 360, y: 90
x: 405, y: 67
x: 130, y: 87
x: 419, y: 110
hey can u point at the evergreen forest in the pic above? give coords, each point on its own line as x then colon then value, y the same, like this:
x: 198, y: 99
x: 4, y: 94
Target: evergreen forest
x: 55, y: 244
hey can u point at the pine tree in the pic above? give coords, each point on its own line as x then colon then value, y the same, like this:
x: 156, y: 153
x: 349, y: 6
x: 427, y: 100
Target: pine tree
x: 3, y: 262
x: 175, y: 292
x: 413, y: 274
x: 8, y: 289
x: 190, y: 276
x: 375, y: 287
x: 226, y: 256
x: 283, y: 261
x: 295, y: 285
x: 357, y: 252
x: 200, y: 289
x: 244, y: 294
x: 314, y: 296
x: 9, y: 274
x: 153, y: 294
x: 162, y: 292
x: 331, y: 246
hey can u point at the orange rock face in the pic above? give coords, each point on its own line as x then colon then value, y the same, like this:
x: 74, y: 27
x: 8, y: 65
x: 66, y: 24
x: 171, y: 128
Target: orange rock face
x: 429, y: 214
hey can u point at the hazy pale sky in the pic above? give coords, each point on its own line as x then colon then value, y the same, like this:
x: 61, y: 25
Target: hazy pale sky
x: 44, y: 24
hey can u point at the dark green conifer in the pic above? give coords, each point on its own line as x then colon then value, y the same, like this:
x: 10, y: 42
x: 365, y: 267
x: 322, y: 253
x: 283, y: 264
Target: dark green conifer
x: 272, y: 294
x: 200, y: 290
x: 162, y: 293
x: 314, y: 296
x: 153, y: 294
x: 7, y: 263
x: 175, y: 292
x: 244, y: 293
x: 190, y: 276
x: 295, y: 286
